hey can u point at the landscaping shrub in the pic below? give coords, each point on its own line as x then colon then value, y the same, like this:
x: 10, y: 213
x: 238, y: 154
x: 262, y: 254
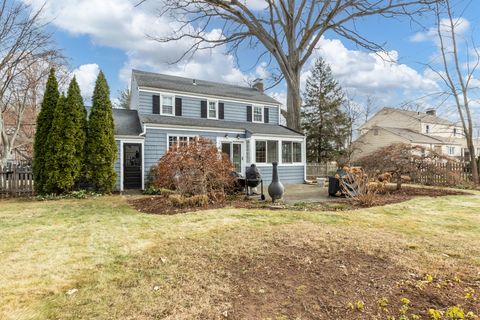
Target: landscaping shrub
x: 151, y: 190
x: 100, y: 143
x: 180, y: 201
x: 44, y: 126
x: 194, y: 168
x: 403, y: 162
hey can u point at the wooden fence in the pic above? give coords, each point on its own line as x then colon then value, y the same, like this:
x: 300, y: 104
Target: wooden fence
x: 321, y: 169
x: 16, y: 181
x: 443, y: 173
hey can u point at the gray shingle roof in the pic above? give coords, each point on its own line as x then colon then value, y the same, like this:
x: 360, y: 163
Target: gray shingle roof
x: 174, y: 83
x: 126, y: 122
x: 427, y: 118
x: 254, y: 128
x: 413, y: 136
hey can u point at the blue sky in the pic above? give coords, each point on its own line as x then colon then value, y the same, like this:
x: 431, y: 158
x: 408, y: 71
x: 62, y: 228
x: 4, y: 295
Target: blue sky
x: 110, y: 34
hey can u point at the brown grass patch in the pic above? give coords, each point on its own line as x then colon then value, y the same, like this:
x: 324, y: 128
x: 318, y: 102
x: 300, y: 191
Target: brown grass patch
x: 289, y: 282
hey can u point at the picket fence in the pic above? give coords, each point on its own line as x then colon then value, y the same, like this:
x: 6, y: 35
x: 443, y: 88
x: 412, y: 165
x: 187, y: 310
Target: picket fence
x: 443, y: 173
x: 16, y: 181
x: 325, y: 169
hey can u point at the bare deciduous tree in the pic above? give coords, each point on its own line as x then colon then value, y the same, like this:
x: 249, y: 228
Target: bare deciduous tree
x: 287, y: 30
x: 26, y: 52
x: 457, y: 75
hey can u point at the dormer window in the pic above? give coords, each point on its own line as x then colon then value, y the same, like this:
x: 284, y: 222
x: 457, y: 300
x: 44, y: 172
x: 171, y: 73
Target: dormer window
x: 212, y: 109
x: 454, y: 132
x: 167, y: 105
x: 427, y: 128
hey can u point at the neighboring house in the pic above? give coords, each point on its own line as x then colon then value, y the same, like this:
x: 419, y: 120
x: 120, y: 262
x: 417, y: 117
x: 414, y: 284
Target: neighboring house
x: 242, y: 121
x: 426, y: 129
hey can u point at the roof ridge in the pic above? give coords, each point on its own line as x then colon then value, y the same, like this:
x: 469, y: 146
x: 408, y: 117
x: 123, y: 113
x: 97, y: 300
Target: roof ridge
x: 410, y: 130
x: 196, y: 79
x: 413, y: 114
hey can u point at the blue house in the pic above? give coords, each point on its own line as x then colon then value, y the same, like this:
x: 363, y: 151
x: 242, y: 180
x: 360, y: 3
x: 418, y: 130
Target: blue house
x: 243, y: 122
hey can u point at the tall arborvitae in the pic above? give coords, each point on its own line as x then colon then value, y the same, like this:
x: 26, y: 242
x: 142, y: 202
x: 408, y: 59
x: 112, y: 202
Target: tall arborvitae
x: 101, y: 149
x: 62, y: 164
x: 323, y: 120
x: 44, y: 124
x: 79, y: 115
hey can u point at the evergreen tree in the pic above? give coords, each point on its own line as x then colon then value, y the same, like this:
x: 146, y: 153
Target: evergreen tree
x: 44, y: 124
x: 79, y: 115
x: 325, y: 124
x: 101, y: 148
x: 63, y: 165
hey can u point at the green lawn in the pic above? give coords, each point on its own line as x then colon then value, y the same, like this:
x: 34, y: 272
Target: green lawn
x: 130, y: 265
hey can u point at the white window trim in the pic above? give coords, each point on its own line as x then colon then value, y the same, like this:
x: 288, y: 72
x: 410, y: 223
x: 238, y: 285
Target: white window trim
x: 216, y: 109
x: 451, y: 148
x: 253, y: 113
x: 177, y: 136
x: 266, y: 150
x: 207, y: 97
x: 240, y: 141
x: 280, y: 160
x: 291, y: 149
x: 173, y: 105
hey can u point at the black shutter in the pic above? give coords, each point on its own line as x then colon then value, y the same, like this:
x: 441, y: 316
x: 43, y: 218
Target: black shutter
x: 266, y: 115
x: 249, y: 113
x: 203, y: 108
x: 221, y: 110
x: 155, y: 104
x: 178, y: 106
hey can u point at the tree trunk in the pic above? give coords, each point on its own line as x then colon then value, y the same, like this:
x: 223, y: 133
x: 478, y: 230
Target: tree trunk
x: 399, y: 182
x: 473, y: 160
x: 294, y: 102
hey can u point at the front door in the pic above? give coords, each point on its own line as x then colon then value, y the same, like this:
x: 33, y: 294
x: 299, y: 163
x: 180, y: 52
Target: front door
x: 234, y: 150
x: 132, y: 166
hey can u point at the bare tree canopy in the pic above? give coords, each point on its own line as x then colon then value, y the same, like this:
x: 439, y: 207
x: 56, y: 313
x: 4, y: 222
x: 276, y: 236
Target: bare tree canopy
x: 26, y: 52
x: 455, y: 73
x: 287, y: 31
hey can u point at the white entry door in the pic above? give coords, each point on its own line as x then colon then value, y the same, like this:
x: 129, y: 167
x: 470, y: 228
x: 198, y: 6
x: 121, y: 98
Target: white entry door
x: 235, y: 151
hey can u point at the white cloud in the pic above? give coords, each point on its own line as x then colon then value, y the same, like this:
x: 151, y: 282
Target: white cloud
x: 86, y: 76
x: 365, y: 73
x: 118, y: 24
x: 461, y: 25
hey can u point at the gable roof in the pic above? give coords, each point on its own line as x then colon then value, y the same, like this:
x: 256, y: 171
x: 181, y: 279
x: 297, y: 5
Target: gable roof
x: 198, y: 124
x: 422, y: 116
x: 202, y: 87
x: 412, y: 136
x: 126, y: 122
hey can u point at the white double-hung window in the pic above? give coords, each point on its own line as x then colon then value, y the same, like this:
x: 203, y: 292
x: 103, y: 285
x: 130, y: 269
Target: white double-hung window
x: 212, y: 109
x: 257, y: 114
x: 167, y: 105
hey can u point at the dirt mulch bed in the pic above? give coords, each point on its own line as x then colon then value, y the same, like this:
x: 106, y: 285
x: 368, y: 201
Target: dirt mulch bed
x: 291, y: 282
x: 161, y: 204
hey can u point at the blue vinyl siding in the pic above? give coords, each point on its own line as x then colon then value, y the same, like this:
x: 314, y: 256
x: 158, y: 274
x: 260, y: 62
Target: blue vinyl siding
x: 286, y: 174
x: 117, y: 165
x: 234, y: 111
x: 156, y: 143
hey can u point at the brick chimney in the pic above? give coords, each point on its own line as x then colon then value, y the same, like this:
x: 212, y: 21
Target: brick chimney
x: 431, y: 112
x: 258, y: 84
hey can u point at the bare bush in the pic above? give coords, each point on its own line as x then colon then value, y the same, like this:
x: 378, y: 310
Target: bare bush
x: 194, y: 168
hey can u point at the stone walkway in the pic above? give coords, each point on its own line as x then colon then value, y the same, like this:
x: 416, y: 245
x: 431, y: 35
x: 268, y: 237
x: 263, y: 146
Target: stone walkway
x: 307, y: 193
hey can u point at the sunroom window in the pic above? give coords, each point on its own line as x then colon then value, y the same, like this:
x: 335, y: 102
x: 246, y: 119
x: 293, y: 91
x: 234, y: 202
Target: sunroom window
x: 266, y: 151
x: 291, y: 152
